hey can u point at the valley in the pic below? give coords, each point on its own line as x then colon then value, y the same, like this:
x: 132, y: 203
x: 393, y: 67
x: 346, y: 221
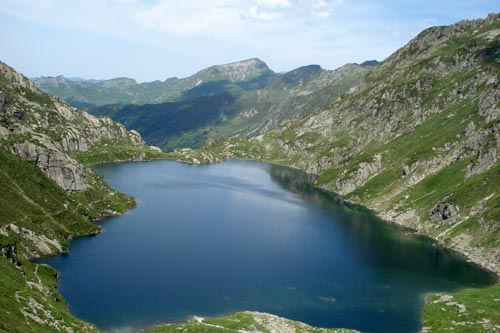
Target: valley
x: 414, y: 138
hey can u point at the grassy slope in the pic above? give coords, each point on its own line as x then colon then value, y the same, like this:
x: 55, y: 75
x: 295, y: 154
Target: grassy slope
x: 113, y: 151
x: 31, y: 201
x: 470, y: 310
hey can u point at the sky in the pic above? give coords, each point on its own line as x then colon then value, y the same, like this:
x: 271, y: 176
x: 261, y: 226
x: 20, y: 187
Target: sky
x: 156, y: 39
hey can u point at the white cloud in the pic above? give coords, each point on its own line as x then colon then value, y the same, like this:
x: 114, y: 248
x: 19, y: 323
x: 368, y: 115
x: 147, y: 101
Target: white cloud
x: 256, y: 13
x: 193, y: 17
x: 273, y: 3
x: 269, y: 10
x: 323, y: 13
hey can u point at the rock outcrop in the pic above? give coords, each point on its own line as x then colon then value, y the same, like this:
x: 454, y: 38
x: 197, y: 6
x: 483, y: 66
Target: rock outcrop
x: 45, y: 130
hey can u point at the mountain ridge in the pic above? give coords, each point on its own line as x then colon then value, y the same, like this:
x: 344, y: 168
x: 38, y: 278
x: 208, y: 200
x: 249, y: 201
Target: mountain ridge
x: 224, y: 109
x: 127, y: 90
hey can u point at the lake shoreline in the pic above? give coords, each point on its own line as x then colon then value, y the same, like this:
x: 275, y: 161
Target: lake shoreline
x: 340, y: 199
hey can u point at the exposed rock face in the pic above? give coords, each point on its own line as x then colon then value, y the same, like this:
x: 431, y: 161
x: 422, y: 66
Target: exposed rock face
x: 45, y: 130
x: 360, y: 176
x: 64, y: 170
x: 9, y: 251
x: 444, y: 212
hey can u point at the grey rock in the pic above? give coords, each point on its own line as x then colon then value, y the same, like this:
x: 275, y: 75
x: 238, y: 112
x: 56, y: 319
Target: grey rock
x: 3, y: 101
x: 443, y: 212
x: 62, y: 169
x: 9, y: 251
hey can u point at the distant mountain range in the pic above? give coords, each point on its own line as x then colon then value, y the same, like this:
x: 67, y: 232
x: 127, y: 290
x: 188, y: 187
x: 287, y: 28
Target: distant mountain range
x: 241, y: 98
x: 79, y: 79
x: 80, y: 92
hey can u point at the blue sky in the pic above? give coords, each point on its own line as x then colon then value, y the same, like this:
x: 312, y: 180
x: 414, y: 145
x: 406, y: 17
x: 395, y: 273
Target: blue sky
x: 156, y: 39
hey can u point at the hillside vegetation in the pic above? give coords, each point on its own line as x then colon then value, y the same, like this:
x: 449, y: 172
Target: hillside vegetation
x: 48, y: 196
x: 245, y: 322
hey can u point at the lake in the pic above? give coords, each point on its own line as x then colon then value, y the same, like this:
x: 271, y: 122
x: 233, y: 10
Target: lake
x: 214, y: 239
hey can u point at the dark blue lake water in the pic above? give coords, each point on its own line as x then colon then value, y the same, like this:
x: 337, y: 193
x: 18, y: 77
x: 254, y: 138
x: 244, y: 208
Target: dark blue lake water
x: 214, y: 239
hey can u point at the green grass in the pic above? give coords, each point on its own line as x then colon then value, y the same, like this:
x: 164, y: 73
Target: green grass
x: 470, y: 310
x: 31, y: 201
x: 111, y: 151
x: 244, y: 322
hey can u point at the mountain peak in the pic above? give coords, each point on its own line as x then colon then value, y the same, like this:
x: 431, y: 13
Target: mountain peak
x: 252, y: 62
x: 298, y: 76
x: 238, y: 71
x: 369, y: 63
x: 51, y: 80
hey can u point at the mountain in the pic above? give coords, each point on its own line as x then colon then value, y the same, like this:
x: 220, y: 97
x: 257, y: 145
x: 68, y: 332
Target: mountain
x: 240, y: 71
x: 369, y: 63
x: 246, y: 74
x: 222, y: 108
x: 49, y: 196
x: 79, y: 79
x: 418, y: 141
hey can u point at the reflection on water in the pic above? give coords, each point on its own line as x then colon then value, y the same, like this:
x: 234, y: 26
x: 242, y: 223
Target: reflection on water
x: 210, y: 240
x: 408, y: 251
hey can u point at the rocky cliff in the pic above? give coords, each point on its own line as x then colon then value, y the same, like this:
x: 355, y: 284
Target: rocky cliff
x: 45, y: 130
